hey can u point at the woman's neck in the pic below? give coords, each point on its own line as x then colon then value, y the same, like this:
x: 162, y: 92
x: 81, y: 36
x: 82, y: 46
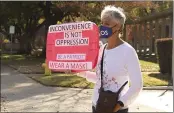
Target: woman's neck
x: 114, y: 42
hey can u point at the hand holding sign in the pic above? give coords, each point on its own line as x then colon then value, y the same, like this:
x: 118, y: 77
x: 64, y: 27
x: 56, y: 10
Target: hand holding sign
x: 72, y: 46
x: 80, y: 74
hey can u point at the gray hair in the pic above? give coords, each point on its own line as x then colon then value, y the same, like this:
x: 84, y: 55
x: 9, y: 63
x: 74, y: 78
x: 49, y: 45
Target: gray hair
x: 114, y: 13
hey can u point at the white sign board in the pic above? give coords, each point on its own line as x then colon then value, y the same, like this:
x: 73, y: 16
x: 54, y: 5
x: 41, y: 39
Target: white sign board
x: 12, y: 29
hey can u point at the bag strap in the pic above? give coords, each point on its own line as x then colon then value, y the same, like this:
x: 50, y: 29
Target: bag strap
x: 122, y: 87
x: 101, y: 88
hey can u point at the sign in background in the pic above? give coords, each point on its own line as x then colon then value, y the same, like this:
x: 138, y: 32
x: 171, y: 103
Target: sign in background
x: 72, y: 46
x: 12, y: 30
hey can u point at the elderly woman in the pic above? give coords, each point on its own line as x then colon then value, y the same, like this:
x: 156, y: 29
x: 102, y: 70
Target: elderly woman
x: 120, y: 63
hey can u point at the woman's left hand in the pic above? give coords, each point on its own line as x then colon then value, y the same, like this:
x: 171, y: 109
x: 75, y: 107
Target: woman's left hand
x: 117, y: 107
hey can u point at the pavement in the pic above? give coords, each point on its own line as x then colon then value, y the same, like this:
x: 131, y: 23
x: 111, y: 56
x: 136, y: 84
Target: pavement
x: 21, y: 94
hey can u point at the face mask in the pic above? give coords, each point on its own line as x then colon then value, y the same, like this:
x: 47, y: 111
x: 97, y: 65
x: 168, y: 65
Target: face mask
x: 105, y: 32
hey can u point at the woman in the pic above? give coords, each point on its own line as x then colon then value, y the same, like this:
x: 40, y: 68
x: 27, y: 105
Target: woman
x: 120, y: 63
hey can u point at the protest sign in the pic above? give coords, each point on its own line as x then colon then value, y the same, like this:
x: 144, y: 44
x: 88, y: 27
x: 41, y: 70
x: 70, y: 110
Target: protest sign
x: 72, y: 46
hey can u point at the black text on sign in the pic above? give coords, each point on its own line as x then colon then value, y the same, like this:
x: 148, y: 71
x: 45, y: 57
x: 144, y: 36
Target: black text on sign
x: 72, y: 42
x: 72, y: 34
x: 70, y: 27
x: 70, y: 65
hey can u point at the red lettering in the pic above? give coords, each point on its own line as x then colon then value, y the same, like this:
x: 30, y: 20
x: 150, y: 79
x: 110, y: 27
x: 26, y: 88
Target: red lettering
x: 62, y: 65
x: 84, y: 66
x: 73, y: 65
x: 67, y: 66
x: 56, y: 65
x: 78, y: 66
x: 51, y: 64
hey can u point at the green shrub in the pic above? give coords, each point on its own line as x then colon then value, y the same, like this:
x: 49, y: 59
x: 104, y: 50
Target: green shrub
x: 164, y: 54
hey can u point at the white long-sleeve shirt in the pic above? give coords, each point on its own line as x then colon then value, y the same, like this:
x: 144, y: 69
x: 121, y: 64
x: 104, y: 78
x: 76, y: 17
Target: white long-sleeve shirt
x: 120, y: 64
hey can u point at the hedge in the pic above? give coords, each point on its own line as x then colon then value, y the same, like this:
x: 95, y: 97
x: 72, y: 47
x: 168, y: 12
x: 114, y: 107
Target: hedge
x: 164, y: 54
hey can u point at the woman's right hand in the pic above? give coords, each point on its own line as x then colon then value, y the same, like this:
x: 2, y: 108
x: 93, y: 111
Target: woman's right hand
x: 82, y: 74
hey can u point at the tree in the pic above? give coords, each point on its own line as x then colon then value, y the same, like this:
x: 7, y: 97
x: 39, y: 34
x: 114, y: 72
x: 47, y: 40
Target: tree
x: 26, y: 15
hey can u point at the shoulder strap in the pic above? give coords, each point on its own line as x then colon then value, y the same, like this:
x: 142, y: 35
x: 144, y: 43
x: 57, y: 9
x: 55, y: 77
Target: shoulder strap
x: 102, y: 67
x: 122, y: 87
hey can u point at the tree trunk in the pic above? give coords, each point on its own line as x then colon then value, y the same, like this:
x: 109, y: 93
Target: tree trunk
x: 47, y: 23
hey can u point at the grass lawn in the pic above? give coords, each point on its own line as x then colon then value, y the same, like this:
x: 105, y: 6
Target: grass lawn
x: 156, y: 79
x: 24, y: 64
x: 149, y: 66
x: 6, y: 57
x: 70, y: 80
x: 25, y: 59
x: 64, y: 80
